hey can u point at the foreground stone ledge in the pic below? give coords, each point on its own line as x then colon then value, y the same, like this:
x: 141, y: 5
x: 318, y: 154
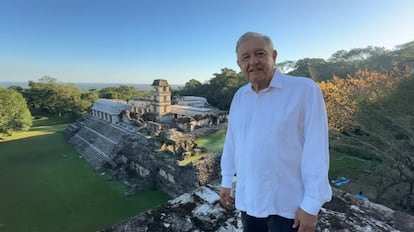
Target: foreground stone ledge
x: 200, y: 211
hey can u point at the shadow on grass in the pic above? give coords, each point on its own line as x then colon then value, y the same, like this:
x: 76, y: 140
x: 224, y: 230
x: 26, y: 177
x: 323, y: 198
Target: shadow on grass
x: 45, y: 186
x: 51, y: 121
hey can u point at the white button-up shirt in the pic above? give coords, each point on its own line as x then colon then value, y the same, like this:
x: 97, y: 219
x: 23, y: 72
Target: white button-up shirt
x: 277, y: 146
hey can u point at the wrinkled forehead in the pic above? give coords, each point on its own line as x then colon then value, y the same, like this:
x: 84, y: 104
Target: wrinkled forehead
x: 253, y: 44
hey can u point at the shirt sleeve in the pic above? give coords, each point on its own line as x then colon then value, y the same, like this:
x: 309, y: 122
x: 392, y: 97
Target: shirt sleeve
x: 227, y: 162
x: 315, y: 156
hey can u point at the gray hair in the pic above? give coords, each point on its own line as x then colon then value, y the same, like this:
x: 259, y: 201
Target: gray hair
x: 249, y: 35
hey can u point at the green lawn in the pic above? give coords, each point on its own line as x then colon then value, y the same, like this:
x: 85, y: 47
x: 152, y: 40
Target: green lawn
x: 45, y: 186
x: 213, y: 142
x: 344, y: 165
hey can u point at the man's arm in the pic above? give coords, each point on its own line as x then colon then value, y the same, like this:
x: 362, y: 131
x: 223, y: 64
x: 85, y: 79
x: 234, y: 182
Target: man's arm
x: 315, y: 156
x: 227, y: 165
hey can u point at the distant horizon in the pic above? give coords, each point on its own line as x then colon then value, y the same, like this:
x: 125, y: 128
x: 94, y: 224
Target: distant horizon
x: 90, y: 85
x: 394, y: 47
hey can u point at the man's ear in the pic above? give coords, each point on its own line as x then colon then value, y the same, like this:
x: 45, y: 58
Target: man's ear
x: 274, y: 55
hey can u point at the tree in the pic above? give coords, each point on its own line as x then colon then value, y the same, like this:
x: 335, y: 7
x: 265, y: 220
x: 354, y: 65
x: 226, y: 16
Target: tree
x: 123, y: 92
x: 67, y: 100
x: 387, y: 123
x: 404, y: 56
x: 17, y: 88
x: 342, y: 95
x: 50, y: 98
x: 340, y: 102
x: 313, y: 68
x: 87, y: 100
x: 191, y: 87
x: 14, y: 114
x: 109, y: 93
x: 219, y: 90
x: 223, y: 86
x: 286, y: 66
x: 372, y: 113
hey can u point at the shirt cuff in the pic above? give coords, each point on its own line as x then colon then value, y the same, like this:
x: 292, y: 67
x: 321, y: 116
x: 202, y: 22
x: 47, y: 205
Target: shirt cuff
x: 227, y: 181
x: 310, y: 205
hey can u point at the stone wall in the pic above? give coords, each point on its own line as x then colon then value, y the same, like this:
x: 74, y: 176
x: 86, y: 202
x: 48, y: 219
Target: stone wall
x: 161, y: 168
x: 136, y: 158
x: 95, y: 140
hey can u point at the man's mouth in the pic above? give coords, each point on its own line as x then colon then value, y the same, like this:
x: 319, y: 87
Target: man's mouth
x: 255, y: 70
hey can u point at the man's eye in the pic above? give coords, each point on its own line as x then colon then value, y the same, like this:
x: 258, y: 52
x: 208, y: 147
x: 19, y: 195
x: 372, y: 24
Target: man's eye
x: 245, y: 58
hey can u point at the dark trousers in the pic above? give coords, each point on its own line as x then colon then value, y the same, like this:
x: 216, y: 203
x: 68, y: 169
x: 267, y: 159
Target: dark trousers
x: 272, y: 223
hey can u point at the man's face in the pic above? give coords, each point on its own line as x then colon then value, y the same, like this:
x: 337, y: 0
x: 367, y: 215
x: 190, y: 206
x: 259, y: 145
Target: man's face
x: 256, y: 60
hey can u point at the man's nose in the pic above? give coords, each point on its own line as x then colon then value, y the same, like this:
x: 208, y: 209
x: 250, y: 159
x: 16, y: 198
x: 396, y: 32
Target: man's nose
x: 253, y: 60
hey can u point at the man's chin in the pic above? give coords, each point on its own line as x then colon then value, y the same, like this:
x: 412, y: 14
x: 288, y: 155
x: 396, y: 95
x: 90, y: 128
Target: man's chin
x: 256, y: 78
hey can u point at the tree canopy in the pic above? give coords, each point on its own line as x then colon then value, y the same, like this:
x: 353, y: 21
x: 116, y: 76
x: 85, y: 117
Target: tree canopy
x: 123, y: 92
x: 219, y: 90
x: 47, y: 97
x: 14, y: 114
x: 372, y: 113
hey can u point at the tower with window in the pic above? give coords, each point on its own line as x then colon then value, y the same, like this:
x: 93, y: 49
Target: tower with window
x: 161, y: 98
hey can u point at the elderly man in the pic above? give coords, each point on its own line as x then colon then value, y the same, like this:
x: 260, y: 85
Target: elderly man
x: 276, y: 145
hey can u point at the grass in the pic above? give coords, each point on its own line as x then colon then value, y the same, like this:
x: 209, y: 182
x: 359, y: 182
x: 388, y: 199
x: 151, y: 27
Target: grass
x: 44, y: 186
x: 214, y: 142
x: 344, y: 165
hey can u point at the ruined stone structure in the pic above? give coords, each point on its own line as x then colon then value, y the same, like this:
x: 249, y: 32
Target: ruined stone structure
x: 200, y: 211
x: 146, y: 153
x: 95, y: 139
x: 161, y: 97
x: 187, y: 113
x: 193, y: 101
x: 109, y: 109
x: 141, y: 159
x: 159, y: 103
x: 140, y: 106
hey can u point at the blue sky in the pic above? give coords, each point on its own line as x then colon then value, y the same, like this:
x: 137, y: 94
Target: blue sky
x: 137, y: 41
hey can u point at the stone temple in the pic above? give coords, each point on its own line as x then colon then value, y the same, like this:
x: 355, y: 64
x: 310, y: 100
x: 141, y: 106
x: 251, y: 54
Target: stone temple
x: 149, y: 143
x: 187, y: 113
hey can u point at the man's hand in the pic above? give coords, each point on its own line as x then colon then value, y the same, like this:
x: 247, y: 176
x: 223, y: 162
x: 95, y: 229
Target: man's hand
x: 306, y: 222
x: 226, y: 199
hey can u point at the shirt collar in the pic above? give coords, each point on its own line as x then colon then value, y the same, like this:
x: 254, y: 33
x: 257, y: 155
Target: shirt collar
x: 276, y: 82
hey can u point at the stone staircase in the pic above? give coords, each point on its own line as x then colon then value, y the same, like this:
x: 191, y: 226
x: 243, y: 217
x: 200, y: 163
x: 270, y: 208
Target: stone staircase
x: 95, y: 140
